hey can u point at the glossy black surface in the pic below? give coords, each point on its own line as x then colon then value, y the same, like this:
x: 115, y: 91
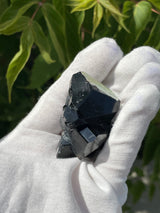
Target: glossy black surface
x: 88, y: 116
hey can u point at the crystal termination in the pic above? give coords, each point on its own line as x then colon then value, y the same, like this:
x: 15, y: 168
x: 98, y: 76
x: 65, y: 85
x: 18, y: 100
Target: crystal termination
x: 88, y: 117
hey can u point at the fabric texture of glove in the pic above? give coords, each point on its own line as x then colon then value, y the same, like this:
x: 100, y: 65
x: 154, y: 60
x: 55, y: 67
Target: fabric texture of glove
x: 33, y: 180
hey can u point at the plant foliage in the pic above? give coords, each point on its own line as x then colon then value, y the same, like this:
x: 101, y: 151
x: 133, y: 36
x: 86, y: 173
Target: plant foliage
x: 50, y: 33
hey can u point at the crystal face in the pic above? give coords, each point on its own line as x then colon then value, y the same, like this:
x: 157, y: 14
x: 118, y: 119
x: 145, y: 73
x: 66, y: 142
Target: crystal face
x: 88, y: 116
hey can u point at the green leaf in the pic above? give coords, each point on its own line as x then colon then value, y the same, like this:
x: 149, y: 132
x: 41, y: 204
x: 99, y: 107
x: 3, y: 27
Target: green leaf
x: 137, y: 17
x: 151, y: 143
x: 60, y: 5
x: 139, y: 171
x: 141, y: 14
x: 42, y: 42
x: 72, y: 35
x: 17, y: 26
x: 125, y: 39
x: 106, y: 17
x: 110, y: 7
x: 137, y: 190
x: 154, y: 36
x: 157, y: 118
x: 56, y: 28
x: 119, y: 19
x: 81, y: 5
x: 3, y: 5
x: 73, y: 23
x: 14, y: 12
x: 97, y: 16
x: 20, y: 59
x: 80, y: 18
x: 156, y: 171
x: 42, y: 72
x: 156, y: 3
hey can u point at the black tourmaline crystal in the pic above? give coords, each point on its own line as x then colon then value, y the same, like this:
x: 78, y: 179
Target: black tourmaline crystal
x: 88, y: 116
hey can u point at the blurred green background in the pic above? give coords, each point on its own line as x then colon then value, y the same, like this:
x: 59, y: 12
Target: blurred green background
x: 39, y: 39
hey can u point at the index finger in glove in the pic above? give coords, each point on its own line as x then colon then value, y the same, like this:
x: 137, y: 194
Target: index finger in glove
x: 97, y: 60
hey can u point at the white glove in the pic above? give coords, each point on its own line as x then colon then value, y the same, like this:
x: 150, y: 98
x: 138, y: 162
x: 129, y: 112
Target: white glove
x: 33, y: 180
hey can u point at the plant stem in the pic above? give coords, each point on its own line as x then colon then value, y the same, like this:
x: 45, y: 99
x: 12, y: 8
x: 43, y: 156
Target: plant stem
x: 155, y: 11
x: 38, y: 7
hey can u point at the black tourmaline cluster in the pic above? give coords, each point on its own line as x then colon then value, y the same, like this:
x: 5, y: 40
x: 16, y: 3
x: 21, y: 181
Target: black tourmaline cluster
x: 88, y: 116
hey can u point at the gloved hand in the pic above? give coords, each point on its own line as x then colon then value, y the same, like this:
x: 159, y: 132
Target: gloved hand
x: 33, y: 180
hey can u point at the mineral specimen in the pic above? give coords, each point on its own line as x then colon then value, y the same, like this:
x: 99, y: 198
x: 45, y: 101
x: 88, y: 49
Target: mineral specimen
x: 88, y: 116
